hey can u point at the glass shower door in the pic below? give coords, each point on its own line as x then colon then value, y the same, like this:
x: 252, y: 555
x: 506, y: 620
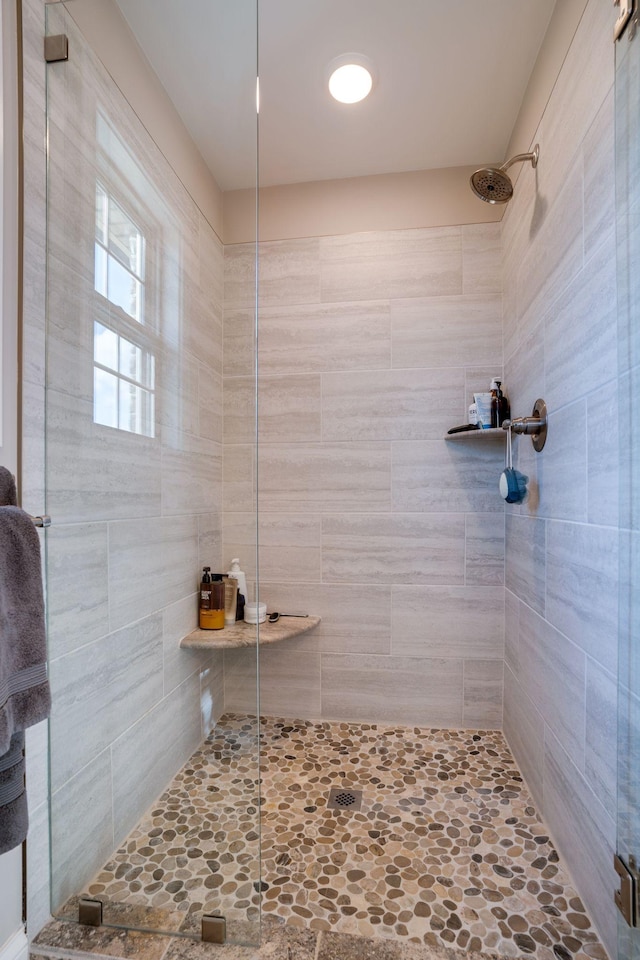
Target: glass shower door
x: 627, y: 106
x: 154, y: 789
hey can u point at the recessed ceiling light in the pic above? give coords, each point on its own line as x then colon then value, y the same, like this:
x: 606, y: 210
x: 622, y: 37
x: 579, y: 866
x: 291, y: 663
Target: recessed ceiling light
x: 350, y: 78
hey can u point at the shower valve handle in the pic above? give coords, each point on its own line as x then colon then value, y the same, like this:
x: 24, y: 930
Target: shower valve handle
x: 534, y: 426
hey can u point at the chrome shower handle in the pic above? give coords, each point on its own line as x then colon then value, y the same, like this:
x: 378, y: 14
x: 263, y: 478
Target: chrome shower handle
x: 534, y: 426
x: 528, y: 425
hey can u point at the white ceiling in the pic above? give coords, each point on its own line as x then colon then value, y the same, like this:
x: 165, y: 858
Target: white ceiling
x: 450, y: 81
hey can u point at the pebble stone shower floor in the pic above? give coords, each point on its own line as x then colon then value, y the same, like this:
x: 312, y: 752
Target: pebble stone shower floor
x: 446, y: 848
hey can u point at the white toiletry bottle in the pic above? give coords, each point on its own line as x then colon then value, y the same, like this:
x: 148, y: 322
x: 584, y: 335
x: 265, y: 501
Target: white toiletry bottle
x: 236, y: 574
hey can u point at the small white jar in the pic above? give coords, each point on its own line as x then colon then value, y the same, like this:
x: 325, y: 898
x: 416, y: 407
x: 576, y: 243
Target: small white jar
x: 255, y: 612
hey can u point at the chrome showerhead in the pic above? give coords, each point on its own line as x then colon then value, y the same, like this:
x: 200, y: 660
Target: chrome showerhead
x: 493, y: 185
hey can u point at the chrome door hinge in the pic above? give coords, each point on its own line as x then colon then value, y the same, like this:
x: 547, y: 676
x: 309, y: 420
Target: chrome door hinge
x: 626, y: 897
x: 56, y: 48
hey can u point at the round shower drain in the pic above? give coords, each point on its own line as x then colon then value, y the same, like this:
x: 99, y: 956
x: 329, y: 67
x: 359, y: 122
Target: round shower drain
x: 343, y: 799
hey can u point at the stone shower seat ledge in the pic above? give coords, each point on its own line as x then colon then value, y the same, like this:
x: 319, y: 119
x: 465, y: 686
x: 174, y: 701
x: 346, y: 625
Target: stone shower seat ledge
x: 244, y: 634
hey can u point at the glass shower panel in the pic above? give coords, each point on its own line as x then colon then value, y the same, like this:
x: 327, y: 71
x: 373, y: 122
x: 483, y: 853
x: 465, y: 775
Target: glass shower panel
x: 154, y: 788
x: 627, y: 106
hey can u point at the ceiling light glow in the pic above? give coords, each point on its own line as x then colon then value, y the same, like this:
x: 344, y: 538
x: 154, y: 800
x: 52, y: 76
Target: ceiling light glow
x: 350, y: 83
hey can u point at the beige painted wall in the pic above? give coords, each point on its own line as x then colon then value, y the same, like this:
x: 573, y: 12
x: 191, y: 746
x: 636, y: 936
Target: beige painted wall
x: 394, y: 201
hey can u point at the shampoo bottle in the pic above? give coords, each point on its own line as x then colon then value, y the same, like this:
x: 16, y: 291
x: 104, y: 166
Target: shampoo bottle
x: 236, y: 574
x: 230, y: 600
x: 211, y: 601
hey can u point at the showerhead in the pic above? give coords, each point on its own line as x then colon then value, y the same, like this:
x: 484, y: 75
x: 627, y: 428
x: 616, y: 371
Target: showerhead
x: 493, y: 185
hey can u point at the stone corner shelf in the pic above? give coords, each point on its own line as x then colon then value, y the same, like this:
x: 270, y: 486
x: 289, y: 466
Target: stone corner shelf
x: 470, y: 436
x: 244, y: 634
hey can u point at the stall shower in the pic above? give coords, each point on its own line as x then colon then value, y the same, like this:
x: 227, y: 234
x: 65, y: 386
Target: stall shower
x: 434, y: 763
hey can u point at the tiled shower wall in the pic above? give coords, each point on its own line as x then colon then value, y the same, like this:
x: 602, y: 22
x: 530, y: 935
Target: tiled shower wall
x: 561, y: 545
x: 134, y: 516
x: 370, y: 347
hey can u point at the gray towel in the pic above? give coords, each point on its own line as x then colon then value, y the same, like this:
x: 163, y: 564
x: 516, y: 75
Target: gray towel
x: 14, y: 815
x: 8, y: 495
x: 24, y: 689
x: 22, y: 657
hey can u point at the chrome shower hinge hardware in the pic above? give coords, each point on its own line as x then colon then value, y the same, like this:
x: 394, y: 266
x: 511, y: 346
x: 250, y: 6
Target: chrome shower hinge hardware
x: 626, y: 898
x: 534, y: 426
x: 56, y: 48
x: 90, y: 912
x: 214, y: 929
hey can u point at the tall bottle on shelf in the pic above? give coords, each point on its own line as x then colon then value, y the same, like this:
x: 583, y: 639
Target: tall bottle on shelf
x: 499, y: 404
x: 211, y: 605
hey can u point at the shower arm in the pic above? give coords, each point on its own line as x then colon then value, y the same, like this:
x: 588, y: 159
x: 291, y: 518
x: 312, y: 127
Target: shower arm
x: 522, y: 158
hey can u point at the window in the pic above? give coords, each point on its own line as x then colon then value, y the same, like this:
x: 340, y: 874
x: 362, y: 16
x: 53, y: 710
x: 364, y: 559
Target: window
x: 123, y: 383
x: 119, y: 256
x: 123, y: 361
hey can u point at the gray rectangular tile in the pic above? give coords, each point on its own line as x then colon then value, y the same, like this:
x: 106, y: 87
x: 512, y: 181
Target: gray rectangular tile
x: 290, y: 678
x: 603, y: 452
x: 211, y: 693
x: 484, y: 554
x: 436, y: 476
x: 562, y: 474
x: 580, y: 331
x: 447, y: 331
x: 146, y: 756
x: 114, y: 473
x: 483, y: 694
x: 150, y: 565
x: 394, y: 549
x: 482, y: 258
x: 582, y: 587
x: 391, y: 405
x: 289, y: 271
x: 320, y: 477
x: 239, y: 477
x: 77, y: 585
x: 512, y: 632
x: 392, y: 689
x: 100, y: 690
x: 585, y: 834
x: 525, y: 559
x: 601, y: 734
x: 191, y: 474
x: 241, y: 680
x: 289, y: 409
x: 599, y: 154
x: 393, y: 263
x: 524, y: 729
x: 239, y: 341
x: 447, y: 622
x: 356, y: 618
x: 178, y: 620
x: 289, y: 545
x: 82, y: 835
x: 240, y: 270
x: 555, y: 252
x: 553, y: 674
x: 324, y: 337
